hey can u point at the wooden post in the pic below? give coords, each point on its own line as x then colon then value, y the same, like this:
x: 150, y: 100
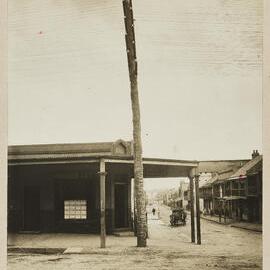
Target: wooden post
x: 213, y: 199
x: 192, y: 224
x: 198, y: 214
x: 102, y: 176
x: 113, y: 202
x: 224, y: 211
x: 219, y: 211
x: 136, y: 120
x: 129, y: 204
x: 134, y: 208
x: 231, y: 208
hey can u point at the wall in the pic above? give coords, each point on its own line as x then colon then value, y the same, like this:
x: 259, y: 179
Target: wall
x: 56, y: 184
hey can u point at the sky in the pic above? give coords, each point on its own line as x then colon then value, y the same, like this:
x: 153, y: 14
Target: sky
x: 157, y: 184
x: 199, y: 75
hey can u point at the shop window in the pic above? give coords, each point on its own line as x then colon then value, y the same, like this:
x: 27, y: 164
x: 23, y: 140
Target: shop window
x: 75, y: 209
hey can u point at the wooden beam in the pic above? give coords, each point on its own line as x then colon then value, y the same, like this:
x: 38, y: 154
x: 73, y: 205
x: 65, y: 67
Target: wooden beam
x: 198, y: 213
x: 149, y: 161
x: 191, y: 188
x: 102, y: 176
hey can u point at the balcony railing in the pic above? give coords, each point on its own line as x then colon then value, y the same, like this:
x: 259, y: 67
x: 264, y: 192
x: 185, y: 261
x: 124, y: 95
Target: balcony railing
x: 234, y: 188
x: 239, y: 192
x: 205, y: 194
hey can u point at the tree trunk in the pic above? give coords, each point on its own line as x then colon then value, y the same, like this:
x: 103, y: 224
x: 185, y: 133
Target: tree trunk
x: 138, y: 165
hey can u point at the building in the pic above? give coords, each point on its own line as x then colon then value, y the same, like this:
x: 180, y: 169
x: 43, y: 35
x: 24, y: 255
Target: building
x: 243, y: 192
x: 170, y: 197
x: 183, y: 187
x: 254, y: 190
x: 187, y: 199
x: 236, y: 192
x: 68, y: 187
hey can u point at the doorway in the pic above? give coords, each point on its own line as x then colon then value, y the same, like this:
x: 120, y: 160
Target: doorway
x: 31, y: 208
x: 121, y: 205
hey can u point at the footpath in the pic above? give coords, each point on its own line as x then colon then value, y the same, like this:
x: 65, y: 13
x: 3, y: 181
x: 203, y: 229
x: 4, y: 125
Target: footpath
x: 242, y: 225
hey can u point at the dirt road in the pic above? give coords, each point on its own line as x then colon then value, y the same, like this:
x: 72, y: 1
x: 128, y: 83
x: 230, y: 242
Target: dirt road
x: 222, y: 247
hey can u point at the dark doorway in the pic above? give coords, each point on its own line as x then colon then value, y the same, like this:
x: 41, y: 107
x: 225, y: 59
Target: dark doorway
x: 121, y: 205
x: 31, y: 208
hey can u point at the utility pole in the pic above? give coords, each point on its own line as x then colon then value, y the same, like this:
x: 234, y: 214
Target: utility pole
x: 191, y: 188
x: 138, y: 164
x: 198, y: 213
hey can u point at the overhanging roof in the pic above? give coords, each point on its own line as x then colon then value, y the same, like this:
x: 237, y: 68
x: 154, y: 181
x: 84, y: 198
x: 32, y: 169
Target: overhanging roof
x: 242, y: 172
x: 117, y: 159
x: 219, y: 166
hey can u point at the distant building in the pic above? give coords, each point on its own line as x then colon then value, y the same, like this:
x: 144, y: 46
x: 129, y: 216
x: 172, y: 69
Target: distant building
x: 236, y: 192
x: 181, y: 192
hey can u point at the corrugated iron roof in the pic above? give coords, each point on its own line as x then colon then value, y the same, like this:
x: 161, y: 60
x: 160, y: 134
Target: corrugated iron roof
x: 256, y: 168
x: 204, y: 178
x: 242, y: 172
x: 221, y: 176
x: 210, y: 181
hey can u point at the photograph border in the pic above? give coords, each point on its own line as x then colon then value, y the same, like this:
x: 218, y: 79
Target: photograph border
x: 266, y: 135
x: 4, y: 125
x: 3, y: 132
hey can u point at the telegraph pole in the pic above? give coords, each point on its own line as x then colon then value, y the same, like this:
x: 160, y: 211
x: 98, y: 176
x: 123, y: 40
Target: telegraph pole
x: 198, y: 213
x: 192, y: 224
x: 138, y: 164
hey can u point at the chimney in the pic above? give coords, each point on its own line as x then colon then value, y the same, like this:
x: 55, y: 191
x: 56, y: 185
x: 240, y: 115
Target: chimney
x: 255, y: 153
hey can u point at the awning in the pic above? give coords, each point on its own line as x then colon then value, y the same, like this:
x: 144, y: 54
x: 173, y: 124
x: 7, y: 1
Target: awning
x: 153, y: 167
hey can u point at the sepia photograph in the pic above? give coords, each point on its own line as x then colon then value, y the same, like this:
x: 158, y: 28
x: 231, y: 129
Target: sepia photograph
x: 134, y: 135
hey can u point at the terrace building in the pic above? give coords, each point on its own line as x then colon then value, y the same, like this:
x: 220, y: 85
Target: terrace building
x: 236, y: 192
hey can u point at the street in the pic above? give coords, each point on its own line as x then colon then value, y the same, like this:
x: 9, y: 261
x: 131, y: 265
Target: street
x: 223, y: 247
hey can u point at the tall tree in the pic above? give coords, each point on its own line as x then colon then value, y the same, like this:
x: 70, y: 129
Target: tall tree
x: 138, y: 164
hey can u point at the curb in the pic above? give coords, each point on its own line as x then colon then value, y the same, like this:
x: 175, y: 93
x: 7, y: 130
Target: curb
x: 46, y: 251
x: 216, y: 221
x: 247, y: 229
x: 232, y: 225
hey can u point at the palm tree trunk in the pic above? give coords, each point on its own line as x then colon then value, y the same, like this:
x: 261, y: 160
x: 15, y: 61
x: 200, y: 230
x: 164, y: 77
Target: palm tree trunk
x: 138, y: 164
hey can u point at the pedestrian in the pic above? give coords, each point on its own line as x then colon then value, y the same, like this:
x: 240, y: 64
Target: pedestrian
x: 204, y: 211
x: 153, y: 211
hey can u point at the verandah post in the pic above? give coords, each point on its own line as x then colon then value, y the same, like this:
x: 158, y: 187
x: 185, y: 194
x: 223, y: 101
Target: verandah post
x: 198, y: 213
x: 102, y: 176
